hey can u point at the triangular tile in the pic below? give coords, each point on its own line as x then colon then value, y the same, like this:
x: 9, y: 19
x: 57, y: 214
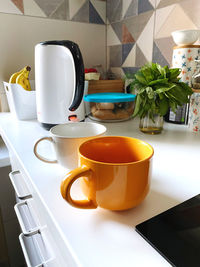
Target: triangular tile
x: 74, y: 6
x: 132, y: 9
x: 176, y: 21
x: 126, y: 36
x: 114, y: 10
x: 158, y: 56
x: 32, y: 9
x: 157, y: 3
x: 130, y: 70
x: 130, y: 60
x: 192, y: 13
x: 126, y: 48
x: 83, y: 13
x: 140, y: 20
x: 60, y: 12
x: 164, y: 3
x: 161, y: 16
x: 112, y: 38
x: 153, y: 2
x: 140, y: 57
x: 19, y: 4
x: 116, y: 56
x: 100, y: 7
x: 94, y: 16
x: 144, y: 6
x: 125, y: 6
x: 166, y: 46
x: 48, y: 6
x: 117, y: 27
x: 145, y: 41
x: 9, y: 7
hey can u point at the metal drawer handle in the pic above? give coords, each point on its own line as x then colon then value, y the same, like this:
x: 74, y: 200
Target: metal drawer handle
x: 35, y: 249
x: 27, y: 218
x: 19, y: 185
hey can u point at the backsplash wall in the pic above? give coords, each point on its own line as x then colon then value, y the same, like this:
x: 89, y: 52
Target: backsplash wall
x: 139, y: 31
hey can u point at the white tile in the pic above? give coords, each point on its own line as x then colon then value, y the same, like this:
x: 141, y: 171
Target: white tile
x: 32, y: 9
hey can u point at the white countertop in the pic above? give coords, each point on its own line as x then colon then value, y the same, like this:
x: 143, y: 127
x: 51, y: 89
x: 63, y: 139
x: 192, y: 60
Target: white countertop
x: 102, y: 238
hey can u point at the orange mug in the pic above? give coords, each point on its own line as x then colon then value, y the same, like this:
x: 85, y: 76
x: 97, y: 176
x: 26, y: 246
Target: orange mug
x: 115, y: 172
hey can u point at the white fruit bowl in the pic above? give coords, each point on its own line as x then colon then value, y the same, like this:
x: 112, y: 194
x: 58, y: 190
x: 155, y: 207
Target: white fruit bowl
x: 185, y: 37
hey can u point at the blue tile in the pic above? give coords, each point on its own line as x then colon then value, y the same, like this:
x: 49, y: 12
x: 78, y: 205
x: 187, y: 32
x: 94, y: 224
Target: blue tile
x: 94, y: 16
x: 144, y: 6
x: 126, y: 48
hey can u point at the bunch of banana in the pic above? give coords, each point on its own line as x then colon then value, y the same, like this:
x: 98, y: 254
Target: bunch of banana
x: 22, y: 77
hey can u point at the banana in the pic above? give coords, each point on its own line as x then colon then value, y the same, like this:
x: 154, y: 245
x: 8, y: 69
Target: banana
x: 23, y: 79
x: 14, y: 75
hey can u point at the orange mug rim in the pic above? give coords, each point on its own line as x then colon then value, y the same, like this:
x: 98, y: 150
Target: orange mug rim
x: 114, y: 164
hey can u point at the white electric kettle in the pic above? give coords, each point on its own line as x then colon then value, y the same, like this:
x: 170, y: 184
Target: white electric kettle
x: 59, y: 82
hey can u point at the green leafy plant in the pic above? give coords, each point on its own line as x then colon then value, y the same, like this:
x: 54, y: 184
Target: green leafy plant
x: 158, y: 89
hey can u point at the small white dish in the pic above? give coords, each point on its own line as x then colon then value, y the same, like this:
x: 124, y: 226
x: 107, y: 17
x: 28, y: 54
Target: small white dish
x: 185, y: 37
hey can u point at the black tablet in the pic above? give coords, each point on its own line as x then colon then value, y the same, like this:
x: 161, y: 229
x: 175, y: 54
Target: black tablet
x: 175, y: 233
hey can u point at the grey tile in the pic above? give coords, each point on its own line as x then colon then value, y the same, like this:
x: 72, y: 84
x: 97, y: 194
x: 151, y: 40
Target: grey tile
x: 158, y: 56
x: 132, y: 9
x: 83, y: 13
x: 130, y: 70
x: 117, y: 27
x: 144, y: 6
x: 48, y: 6
x: 114, y: 10
x: 136, y: 24
x: 94, y: 16
x: 116, y: 56
x: 60, y: 12
x: 164, y: 3
x: 140, y: 58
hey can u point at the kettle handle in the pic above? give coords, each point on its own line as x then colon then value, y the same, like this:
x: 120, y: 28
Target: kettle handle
x: 80, y: 75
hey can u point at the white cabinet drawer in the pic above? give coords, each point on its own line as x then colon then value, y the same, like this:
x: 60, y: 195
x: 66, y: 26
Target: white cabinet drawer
x: 19, y: 185
x: 37, y: 251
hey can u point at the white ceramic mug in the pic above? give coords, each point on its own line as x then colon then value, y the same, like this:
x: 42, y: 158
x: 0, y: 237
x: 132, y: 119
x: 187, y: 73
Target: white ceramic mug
x: 67, y: 138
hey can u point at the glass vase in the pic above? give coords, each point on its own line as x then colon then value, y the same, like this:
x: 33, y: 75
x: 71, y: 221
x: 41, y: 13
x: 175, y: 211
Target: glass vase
x: 149, y: 126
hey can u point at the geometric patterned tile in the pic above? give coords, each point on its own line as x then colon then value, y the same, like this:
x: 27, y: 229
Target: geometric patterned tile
x: 74, y: 6
x: 130, y: 70
x: 9, y: 7
x: 161, y: 16
x: 164, y: 3
x: 166, y: 46
x: 144, y: 6
x: 112, y: 38
x: 94, y: 16
x: 140, y: 57
x: 130, y: 60
x: 100, y: 7
x: 60, y: 12
x: 158, y: 56
x: 132, y: 9
x: 177, y: 20
x: 192, y: 9
x: 125, y: 6
x: 117, y: 27
x: 32, y: 9
x: 126, y: 48
x: 145, y: 40
x: 140, y: 20
x: 126, y: 36
x: 83, y: 13
x: 115, y: 56
x: 49, y: 6
x: 114, y: 10
x: 19, y: 4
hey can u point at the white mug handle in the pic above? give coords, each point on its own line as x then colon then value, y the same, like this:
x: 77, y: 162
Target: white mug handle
x: 38, y: 155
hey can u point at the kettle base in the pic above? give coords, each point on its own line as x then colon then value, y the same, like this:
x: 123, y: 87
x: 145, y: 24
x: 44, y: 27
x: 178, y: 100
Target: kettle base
x: 47, y: 126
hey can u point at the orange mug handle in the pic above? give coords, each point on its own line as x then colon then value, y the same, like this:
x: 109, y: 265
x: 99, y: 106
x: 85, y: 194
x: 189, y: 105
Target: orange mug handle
x: 66, y: 184
x: 38, y: 155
